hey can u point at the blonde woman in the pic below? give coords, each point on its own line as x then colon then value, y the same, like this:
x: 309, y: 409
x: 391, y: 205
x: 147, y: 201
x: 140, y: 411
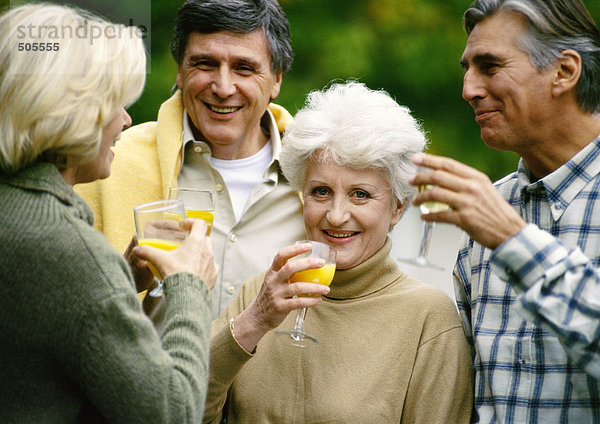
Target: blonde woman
x: 76, y: 345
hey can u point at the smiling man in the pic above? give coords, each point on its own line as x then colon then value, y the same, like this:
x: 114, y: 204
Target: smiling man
x: 527, y: 281
x: 219, y: 131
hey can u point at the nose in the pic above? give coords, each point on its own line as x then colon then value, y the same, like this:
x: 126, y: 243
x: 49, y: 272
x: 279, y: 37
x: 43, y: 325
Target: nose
x: 338, y: 212
x: 472, y: 87
x: 223, y: 84
x: 126, y: 119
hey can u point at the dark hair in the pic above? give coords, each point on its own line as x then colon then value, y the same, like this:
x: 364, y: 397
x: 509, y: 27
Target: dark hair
x: 241, y: 16
x: 553, y: 26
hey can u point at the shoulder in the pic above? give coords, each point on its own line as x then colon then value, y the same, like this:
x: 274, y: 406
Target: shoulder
x: 69, y: 253
x: 138, y: 135
x: 170, y: 115
x: 435, y: 309
x: 140, y: 131
x: 281, y: 115
x: 135, y: 152
x: 89, y: 259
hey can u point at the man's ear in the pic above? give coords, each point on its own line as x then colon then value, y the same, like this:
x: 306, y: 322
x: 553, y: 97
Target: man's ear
x: 178, y: 80
x: 567, y: 72
x: 278, y: 78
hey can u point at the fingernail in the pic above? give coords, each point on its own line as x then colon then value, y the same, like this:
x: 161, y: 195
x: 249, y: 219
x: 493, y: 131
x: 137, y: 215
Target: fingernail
x: 418, y: 158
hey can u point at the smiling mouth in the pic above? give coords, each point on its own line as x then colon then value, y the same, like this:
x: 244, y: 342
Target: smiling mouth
x: 339, y: 235
x: 483, y: 116
x: 481, y: 113
x: 223, y: 110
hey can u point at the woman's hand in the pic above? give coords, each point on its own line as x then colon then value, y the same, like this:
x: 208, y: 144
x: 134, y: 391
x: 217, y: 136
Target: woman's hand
x: 277, y: 296
x: 142, y: 276
x: 194, y: 256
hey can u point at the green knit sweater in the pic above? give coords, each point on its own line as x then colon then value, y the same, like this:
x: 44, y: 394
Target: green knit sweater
x: 76, y: 346
x: 391, y: 350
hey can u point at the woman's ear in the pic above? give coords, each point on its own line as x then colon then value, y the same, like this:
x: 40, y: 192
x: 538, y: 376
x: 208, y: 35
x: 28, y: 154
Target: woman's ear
x: 397, y: 212
x: 567, y: 72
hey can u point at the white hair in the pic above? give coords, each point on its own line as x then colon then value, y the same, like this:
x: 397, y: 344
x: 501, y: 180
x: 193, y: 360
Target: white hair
x: 56, y: 102
x: 356, y: 127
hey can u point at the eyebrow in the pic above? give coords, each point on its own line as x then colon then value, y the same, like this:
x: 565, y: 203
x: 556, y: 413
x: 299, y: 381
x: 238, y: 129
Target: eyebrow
x: 199, y: 56
x: 240, y: 60
x: 360, y: 185
x: 480, y: 58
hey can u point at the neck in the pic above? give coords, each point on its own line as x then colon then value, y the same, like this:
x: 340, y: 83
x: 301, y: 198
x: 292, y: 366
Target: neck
x: 69, y: 175
x: 565, y: 138
x: 244, y: 147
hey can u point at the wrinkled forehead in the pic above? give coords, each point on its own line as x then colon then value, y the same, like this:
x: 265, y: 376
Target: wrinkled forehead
x: 494, y: 37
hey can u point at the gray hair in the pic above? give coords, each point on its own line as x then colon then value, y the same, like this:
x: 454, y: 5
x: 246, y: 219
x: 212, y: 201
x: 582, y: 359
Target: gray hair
x: 553, y: 26
x: 240, y: 16
x: 56, y: 101
x: 356, y: 127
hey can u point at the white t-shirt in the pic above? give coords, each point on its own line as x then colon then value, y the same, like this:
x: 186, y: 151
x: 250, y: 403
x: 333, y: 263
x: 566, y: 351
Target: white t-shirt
x: 242, y: 175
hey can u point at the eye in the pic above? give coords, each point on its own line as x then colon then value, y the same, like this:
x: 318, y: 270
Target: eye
x: 203, y: 64
x: 320, y: 191
x: 489, y: 68
x: 361, y: 194
x: 245, y: 69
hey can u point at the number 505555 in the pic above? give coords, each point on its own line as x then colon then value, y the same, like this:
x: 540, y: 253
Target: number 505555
x: 38, y: 47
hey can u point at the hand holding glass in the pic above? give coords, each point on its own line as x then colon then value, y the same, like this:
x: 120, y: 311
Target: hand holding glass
x: 157, y: 224
x: 425, y: 208
x: 323, y: 275
x: 198, y: 204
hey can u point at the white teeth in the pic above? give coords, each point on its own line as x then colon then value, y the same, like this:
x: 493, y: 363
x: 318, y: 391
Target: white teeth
x: 222, y: 109
x: 339, y: 235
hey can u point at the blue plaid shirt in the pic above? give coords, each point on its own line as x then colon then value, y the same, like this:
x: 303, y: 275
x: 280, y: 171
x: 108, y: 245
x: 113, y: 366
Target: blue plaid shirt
x: 532, y: 306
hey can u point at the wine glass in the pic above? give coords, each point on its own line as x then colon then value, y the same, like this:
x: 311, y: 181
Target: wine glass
x: 198, y: 204
x: 297, y: 336
x: 157, y: 224
x: 425, y: 208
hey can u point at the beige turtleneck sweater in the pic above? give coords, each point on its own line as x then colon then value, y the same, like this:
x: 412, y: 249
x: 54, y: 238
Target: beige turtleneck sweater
x: 392, y: 349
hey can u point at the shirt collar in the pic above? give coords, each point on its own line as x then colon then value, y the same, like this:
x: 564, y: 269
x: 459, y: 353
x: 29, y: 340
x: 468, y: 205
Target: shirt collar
x: 564, y: 184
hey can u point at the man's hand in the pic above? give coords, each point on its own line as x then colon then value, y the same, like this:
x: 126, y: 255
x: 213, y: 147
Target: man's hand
x: 475, y: 204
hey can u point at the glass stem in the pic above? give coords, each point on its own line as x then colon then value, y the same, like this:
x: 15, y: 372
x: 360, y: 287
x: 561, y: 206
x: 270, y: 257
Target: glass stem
x: 300, y: 320
x: 427, y: 231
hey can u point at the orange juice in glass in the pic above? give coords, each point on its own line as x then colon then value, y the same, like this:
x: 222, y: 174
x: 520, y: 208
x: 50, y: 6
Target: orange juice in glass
x: 159, y: 244
x: 324, y: 275
x: 199, y: 204
x: 157, y: 224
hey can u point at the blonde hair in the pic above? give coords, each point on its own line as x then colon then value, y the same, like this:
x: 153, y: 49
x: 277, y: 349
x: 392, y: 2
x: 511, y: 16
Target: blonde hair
x: 56, y: 102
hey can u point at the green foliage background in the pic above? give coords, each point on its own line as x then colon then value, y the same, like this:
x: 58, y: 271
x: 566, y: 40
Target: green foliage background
x: 410, y: 48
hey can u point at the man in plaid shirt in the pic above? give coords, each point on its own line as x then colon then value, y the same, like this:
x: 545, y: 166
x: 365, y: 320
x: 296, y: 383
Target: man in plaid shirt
x: 527, y: 279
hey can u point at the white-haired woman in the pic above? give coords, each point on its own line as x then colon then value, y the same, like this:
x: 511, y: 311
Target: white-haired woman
x: 392, y: 349
x: 76, y: 345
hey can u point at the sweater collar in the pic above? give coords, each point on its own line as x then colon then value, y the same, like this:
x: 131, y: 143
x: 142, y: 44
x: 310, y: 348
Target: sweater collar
x: 45, y: 177
x: 376, y: 273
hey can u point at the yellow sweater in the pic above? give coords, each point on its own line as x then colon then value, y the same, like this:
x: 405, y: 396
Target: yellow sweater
x: 143, y: 169
x: 392, y: 350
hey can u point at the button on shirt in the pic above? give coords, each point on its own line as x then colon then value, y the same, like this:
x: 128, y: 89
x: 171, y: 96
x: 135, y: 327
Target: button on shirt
x: 532, y: 306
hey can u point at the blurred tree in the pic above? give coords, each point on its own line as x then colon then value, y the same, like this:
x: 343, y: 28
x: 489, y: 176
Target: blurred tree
x: 409, y: 48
